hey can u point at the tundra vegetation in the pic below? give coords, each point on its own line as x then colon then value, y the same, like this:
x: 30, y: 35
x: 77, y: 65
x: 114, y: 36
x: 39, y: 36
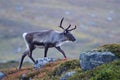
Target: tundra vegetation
x: 54, y: 70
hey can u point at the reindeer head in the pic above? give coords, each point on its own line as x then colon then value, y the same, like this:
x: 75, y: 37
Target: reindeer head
x: 67, y: 31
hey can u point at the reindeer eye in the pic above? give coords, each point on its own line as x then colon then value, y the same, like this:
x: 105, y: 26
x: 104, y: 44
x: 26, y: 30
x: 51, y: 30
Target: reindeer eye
x: 65, y: 32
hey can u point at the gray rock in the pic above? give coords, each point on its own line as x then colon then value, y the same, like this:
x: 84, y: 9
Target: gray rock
x: 92, y: 23
x: 109, y: 18
x: 91, y: 59
x: 93, y: 15
x: 19, y: 8
x: 67, y: 12
x: 24, y: 77
x: 43, y: 61
x: 2, y: 75
x: 67, y: 75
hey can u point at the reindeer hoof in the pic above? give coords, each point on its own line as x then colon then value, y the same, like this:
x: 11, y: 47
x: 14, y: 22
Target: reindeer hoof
x: 36, y: 61
x: 65, y: 58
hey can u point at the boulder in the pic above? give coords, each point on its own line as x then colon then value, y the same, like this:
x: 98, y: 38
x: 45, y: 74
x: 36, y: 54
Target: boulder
x: 91, y: 59
x: 24, y: 77
x: 43, y: 61
x: 67, y: 75
x: 2, y: 75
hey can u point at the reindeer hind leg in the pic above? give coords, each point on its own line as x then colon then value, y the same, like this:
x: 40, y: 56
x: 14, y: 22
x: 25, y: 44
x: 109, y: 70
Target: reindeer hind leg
x: 22, y: 58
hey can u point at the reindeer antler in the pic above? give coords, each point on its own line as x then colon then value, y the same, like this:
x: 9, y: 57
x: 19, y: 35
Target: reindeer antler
x: 67, y: 27
x: 72, y: 28
x: 61, y: 23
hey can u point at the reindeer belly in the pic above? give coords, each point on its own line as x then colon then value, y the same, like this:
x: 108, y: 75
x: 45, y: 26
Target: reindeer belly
x: 38, y: 44
x: 42, y: 45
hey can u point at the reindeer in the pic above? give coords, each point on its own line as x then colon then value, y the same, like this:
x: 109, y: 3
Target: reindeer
x: 46, y: 39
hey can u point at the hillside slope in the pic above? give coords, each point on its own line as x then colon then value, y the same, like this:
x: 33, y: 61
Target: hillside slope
x: 15, y: 74
x: 56, y: 70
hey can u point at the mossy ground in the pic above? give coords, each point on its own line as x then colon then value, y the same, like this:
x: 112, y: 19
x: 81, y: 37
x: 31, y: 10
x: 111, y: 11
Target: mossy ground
x: 54, y: 71
x: 42, y: 74
x: 114, y: 48
x: 110, y: 71
x: 70, y: 65
x: 13, y: 64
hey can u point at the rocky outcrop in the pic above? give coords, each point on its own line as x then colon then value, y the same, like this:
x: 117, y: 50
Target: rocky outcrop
x: 42, y: 61
x: 91, y: 59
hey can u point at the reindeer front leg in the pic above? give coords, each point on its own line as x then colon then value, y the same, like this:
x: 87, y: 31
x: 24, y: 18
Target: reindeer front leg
x: 31, y: 47
x: 59, y: 49
x: 46, y: 50
x: 30, y: 56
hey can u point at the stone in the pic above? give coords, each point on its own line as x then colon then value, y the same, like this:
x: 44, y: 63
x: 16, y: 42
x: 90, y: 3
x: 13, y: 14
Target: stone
x: 92, y: 59
x: 2, y: 75
x: 93, y: 15
x: 19, y: 8
x: 67, y: 75
x: 24, y: 77
x: 43, y: 61
x: 109, y: 18
x: 67, y: 12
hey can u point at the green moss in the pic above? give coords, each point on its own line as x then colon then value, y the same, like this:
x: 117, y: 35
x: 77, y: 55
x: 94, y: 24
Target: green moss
x: 68, y: 65
x: 114, y: 48
x: 32, y: 74
x: 62, y: 68
x: 110, y: 71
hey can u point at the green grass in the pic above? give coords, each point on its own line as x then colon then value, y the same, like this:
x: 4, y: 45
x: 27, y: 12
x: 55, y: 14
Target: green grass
x: 13, y: 64
x: 108, y: 71
x: 68, y: 65
x: 62, y: 68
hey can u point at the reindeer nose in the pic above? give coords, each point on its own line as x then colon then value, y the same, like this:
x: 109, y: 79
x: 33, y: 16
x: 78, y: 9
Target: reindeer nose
x: 74, y: 40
